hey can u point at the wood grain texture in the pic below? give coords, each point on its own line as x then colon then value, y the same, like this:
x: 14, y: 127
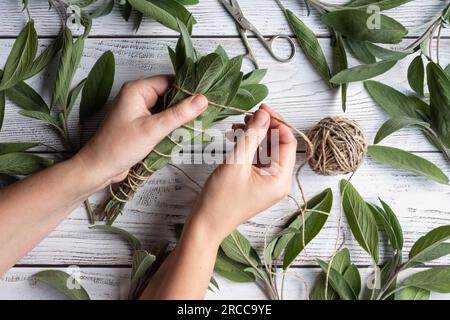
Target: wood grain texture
x: 420, y: 204
x: 212, y: 19
x: 296, y: 90
x: 113, y: 283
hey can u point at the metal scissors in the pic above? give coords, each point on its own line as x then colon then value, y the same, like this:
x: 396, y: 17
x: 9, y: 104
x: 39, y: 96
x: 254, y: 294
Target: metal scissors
x: 244, y: 25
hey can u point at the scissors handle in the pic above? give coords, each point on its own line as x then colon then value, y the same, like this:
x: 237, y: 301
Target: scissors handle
x: 269, y: 45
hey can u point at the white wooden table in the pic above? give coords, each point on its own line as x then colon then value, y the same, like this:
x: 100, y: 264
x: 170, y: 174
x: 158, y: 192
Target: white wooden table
x: 296, y: 91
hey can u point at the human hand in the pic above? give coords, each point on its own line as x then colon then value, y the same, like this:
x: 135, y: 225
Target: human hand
x: 237, y: 191
x: 131, y: 131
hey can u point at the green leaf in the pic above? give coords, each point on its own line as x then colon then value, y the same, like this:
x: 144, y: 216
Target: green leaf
x: 447, y: 70
x: 416, y: 75
x: 42, y: 116
x: 430, y: 246
x: 44, y: 59
x: 22, y: 164
x: 341, y: 63
x: 208, y: 70
x: 309, y: 44
x: 338, y: 282
x: 353, y: 278
x: 239, y: 249
x: 321, y: 202
x: 404, y: 160
x: 25, y: 97
x: 134, y: 242
x: 98, y: 86
x: 125, y: 10
x: 363, y: 72
x: 360, y: 51
x: 439, y: 87
x: 142, y: 261
x: 392, y: 102
x: 355, y: 24
x: 314, y: 222
x: 231, y: 269
x: 62, y: 78
x: 64, y: 283
x: 254, y: 77
x: 2, y: 108
x: 73, y: 95
x: 436, y: 279
x: 103, y: 10
x: 21, y: 57
x: 165, y: 12
x: 386, y: 54
x: 397, y: 123
x: 387, y: 218
x: 360, y: 219
x: 412, y: 293
x: 16, y: 147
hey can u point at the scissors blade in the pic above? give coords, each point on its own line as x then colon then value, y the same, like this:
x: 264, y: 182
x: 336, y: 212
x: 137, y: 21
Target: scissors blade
x: 237, y: 14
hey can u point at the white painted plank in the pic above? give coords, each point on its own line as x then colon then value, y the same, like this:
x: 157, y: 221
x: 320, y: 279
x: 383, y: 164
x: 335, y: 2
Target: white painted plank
x: 296, y: 91
x: 212, y: 19
x: 420, y: 204
x: 113, y: 283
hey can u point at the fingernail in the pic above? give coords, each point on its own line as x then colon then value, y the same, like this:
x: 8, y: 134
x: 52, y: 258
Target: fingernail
x: 199, y: 102
x: 261, y: 118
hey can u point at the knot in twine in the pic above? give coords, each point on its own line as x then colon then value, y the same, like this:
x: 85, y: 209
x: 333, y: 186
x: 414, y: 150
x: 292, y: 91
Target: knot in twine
x: 339, y: 146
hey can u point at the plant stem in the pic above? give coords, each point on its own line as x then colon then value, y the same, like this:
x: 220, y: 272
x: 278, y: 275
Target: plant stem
x: 393, y: 292
x: 283, y: 8
x: 438, y: 42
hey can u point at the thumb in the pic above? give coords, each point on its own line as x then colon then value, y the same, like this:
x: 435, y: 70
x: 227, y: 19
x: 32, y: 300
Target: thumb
x: 255, y: 131
x: 165, y: 122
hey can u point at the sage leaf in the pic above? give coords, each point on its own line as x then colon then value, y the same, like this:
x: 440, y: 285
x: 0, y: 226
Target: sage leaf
x: 360, y: 51
x: 133, y: 241
x: 321, y: 202
x: 340, y: 56
x: 436, y: 279
x: 62, y: 78
x: 64, y: 283
x: 16, y: 147
x: 103, y: 10
x: 254, y: 77
x: 188, y: 2
x: 447, y: 70
x: 412, y: 293
x: 142, y: 261
x: 231, y: 269
x: 416, y: 75
x: 239, y: 249
x: 354, y: 24
x: 25, y: 97
x: 338, y: 282
x: 42, y: 116
x: 430, y: 246
x: 21, y: 57
x: 439, y: 87
x: 360, y: 219
x: 22, y: 164
x: 387, y: 218
x: 386, y: 54
x: 44, y: 59
x: 393, y: 102
x: 73, y: 95
x: 353, y: 278
x: 125, y: 10
x: 98, y: 86
x: 2, y: 108
x: 363, y: 72
x: 404, y: 160
x: 397, y: 123
x: 165, y: 12
x: 307, y: 232
x: 341, y: 262
x: 309, y: 44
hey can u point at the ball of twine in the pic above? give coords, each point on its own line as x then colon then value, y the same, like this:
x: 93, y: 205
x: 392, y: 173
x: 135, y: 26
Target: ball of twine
x: 339, y: 146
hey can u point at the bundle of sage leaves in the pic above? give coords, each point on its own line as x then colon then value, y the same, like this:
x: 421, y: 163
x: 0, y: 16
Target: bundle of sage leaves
x: 220, y: 80
x: 238, y: 261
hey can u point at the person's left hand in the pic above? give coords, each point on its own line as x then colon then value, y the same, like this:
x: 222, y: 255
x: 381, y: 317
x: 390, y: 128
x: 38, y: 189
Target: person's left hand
x: 131, y: 131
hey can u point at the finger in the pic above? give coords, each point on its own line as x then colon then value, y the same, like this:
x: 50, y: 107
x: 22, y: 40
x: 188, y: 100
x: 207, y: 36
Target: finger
x: 151, y: 88
x: 163, y: 123
x: 248, y: 143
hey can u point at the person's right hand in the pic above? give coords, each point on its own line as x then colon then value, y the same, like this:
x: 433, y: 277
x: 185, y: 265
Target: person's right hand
x: 236, y: 192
